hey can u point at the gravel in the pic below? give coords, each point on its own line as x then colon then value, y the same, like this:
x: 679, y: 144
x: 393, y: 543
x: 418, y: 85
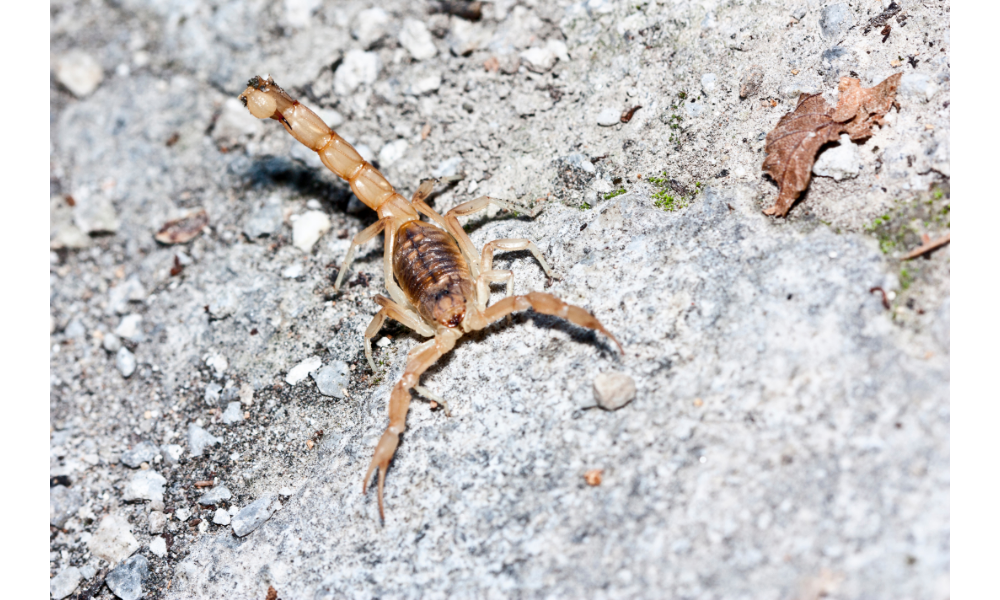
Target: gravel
x: 233, y: 413
x: 221, y: 517
x: 302, y: 370
x: 126, y: 579
x: 254, y: 514
x: 158, y: 546
x: 64, y: 583
x: 613, y: 390
x: 146, y: 485
x: 143, y: 452
x: 333, y: 379
x: 608, y: 117
x: 125, y: 362
x: 199, y: 439
x: 215, y: 495
x: 113, y: 541
x: 79, y: 72
x: 416, y: 38
x: 157, y: 521
x: 840, y: 162
x: 308, y: 228
x: 63, y: 504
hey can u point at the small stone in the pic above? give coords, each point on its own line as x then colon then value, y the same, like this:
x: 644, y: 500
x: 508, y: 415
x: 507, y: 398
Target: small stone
x: 182, y: 514
x: 158, y: 546
x: 358, y: 68
x: 841, y: 162
x: 171, y: 453
x: 917, y: 86
x: 383, y: 342
x: 218, y: 363
x: 126, y: 580
x: 215, y: 495
x: 64, y: 502
x: 225, y: 304
x: 232, y: 414
x: 140, y: 453
x: 111, y: 342
x: 333, y: 379
x: 303, y: 369
x: 199, y: 439
x: 65, y: 582
x: 254, y: 514
x: 88, y: 570
x: 308, y: 228
x: 613, y: 390
x: 370, y: 26
x: 292, y: 271
x: 130, y: 328
x: 465, y: 37
x: 75, y: 330
x: 708, y: 81
x: 608, y: 117
x: 221, y: 517
x: 834, y: 20
x: 113, y: 541
x: 392, y: 152
x: 266, y: 221
x: 213, y: 392
x: 424, y: 83
x: 79, y: 72
x: 416, y: 38
x: 246, y: 394
x: 509, y: 63
x: 157, y: 521
x: 125, y: 361
x: 799, y: 11
x: 131, y: 290
x: 539, y: 60
x: 94, y: 213
x: 146, y: 485
x: 299, y: 13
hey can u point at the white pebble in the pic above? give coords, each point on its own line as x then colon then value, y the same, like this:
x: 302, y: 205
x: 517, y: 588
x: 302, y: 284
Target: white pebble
x: 608, y: 117
x: 841, y: 162
x: 303, y: 369
x: 125, y: 361
x: 158, y: 546
x: 708, y: 82
x: 221, y: 517
x: 415, y: 37
x: 392, y: 152
x: 79, y: 72
x: 613, y: 390
x: 130, y: 328
x: 358, y: 68
x: 308, y: 228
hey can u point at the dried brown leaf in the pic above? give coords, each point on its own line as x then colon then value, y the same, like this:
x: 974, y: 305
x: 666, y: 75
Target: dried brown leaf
x: 792, y: 145
x: 859, y: 108
x: 184, y: 229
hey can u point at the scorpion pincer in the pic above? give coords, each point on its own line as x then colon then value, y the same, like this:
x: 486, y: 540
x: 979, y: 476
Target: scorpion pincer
x: 437, y: 281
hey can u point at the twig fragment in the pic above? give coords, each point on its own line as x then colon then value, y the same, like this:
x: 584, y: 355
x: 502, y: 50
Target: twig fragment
x: 928, y: 246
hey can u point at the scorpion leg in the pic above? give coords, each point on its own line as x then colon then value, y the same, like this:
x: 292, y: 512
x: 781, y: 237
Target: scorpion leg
x: 391, y: 310
x: 363, y: 236
x: 483, y: 285
x: 419, y: 360
x: 549, y: 305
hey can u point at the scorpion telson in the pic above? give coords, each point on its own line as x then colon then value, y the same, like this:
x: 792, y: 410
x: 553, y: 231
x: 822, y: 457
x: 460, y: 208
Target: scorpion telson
x: 438, y: 282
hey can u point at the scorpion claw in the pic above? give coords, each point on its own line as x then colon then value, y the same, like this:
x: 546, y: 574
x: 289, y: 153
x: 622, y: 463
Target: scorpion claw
x: 384, y: 451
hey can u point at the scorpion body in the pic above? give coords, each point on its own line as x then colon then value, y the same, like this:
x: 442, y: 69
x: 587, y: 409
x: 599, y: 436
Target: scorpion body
x: 443, y: 282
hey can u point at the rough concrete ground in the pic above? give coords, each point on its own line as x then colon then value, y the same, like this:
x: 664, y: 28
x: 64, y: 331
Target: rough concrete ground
x: 789, y: 437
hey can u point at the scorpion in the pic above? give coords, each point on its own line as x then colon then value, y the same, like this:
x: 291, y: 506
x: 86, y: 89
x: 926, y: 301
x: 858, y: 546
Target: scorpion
x: 438, y: 283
